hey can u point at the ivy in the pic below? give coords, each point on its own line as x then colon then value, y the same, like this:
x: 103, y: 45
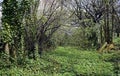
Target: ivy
x: 13, y: 13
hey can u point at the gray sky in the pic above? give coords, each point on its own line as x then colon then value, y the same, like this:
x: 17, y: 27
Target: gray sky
x: 1, y: 1
x: 0, y: 5
x: 0, y: 13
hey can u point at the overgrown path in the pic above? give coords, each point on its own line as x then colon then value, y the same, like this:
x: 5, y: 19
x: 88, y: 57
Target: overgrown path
x: 80, y: 62
x: 65, y: 61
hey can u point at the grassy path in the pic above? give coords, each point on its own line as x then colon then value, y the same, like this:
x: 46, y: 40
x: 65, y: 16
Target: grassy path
x: 75, y: 62
x: 65, y: 61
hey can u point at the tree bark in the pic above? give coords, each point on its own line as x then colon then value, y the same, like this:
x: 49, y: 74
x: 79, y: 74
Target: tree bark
x: 112, y: 22
x: 7, y: 51
x: 107, y: 26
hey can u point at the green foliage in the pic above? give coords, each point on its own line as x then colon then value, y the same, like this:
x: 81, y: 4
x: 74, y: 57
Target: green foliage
x: 7, y: 34
x: 64, y: 61
x: 12, y: 16
x: 82, y: 62
x: 83, y: 37
x: 116, y: 40
x: 113, y: 57
x: 13, y: 13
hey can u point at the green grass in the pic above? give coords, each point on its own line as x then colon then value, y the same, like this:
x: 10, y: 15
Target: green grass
x: 64, y: 61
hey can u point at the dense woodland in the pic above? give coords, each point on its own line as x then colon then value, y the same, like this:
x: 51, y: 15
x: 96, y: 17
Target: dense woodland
x: 60, y: 38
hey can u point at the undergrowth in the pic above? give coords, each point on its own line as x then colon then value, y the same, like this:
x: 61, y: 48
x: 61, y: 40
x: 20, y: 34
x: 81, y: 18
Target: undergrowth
x: 63, y: 61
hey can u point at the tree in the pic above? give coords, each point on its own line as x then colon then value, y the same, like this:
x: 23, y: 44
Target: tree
x: 11, y: 25
x: 100, y: 13
x: 116, y: 16
x: 49, y: 21
x: 12, y: 16
x: 30, y: 28
x: 86, y: 16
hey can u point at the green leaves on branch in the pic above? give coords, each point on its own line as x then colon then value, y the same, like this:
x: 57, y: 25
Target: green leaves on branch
x: 13, y: 14
x: 7, y: 34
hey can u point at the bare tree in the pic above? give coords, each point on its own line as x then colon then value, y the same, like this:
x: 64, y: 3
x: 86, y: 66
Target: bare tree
x: 41, y: 21
x: 51, y: 17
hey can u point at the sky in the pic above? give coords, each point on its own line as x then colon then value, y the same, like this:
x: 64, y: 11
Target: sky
x: 0, y: 16
x: 1, y: 0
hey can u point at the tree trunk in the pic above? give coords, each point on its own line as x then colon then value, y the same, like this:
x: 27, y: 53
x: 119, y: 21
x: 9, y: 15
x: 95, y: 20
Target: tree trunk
x: 107, y: 26
x: 117, y: 34
x: 101, y: 35
x: 112, y: 22
x: 13, y: 52
x: 7, y: 51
